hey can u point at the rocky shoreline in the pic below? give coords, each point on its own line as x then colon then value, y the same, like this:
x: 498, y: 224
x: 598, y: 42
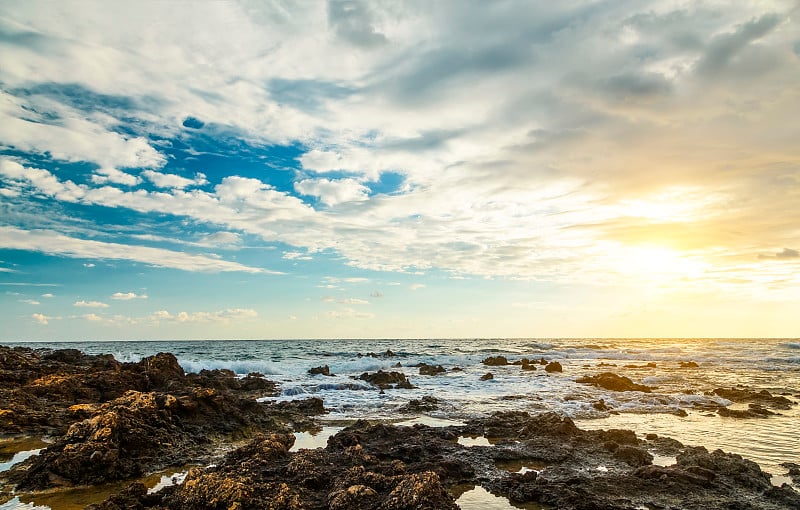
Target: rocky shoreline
x: 111, y: 421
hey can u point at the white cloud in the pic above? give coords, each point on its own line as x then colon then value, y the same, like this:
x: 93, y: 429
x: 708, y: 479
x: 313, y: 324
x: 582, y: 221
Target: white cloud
x: 52, y: 242
x: 88, y: 264
x: 29, y: 301
x: 348, y: 313
x: 221, y: 316
x: 296, y: 255
x: 416, y: 286
x: 90, y: 304
x: 353, y: 301
x: 229, y: 239
x: 40, y: 318
x: 48, y: 295
x: 92, y: 317
x: 7, y: 270
x: 163, y: 180
x: 76, y: 138
x: 127, y: 296
x: 333, y: 192
x: 517, y: 160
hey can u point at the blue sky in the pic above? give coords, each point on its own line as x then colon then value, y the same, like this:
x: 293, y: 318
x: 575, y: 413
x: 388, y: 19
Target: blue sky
x: 174, y: 170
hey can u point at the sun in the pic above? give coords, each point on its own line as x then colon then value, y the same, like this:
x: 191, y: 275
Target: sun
x: 657, y: 264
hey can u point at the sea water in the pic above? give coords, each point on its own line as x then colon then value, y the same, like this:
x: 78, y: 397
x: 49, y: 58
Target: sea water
x: 681, y: 405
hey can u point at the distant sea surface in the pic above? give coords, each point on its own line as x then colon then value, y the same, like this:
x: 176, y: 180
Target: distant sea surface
x: 680, y: 406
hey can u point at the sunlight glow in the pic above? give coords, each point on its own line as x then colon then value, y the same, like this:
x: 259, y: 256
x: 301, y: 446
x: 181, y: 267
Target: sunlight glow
x: 658, y: 265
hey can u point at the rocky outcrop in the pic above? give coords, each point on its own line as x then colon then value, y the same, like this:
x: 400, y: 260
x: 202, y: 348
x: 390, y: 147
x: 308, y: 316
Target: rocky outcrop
x: 426, y: 403
x: 321, y: 370
x: 39, y: 388
x: 495, y: 361
x: 379, y: 466
x: 425, y: 369
x: 386, y: 380
x: 613, y: 382
x: 140, y: 432
x: 763, y: 397
x: 553, y: 366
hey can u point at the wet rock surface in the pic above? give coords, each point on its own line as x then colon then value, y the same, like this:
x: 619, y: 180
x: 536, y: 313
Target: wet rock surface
x: 113, y: 421
x: 387, y: 380
x: 379, y: 466
x: 762, y: 398
x: 425, y: 369
x: 613, y: 382
x: 121, y: 420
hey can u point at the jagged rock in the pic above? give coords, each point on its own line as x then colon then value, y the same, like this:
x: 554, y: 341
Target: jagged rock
x: 379, y: 466
x: 689, y: 364
x: 488, y: 376
x: 754, y: 411
x: 426, y: 403
x: 633, y: 456
x: 554, y: 366
x: 793, y: 471
x: 386, y: 380
x: 425, y: 369
x: 763, y: 397
x: 528, y: 366
x: 495, y: 361
x: 322, y: 370
x: 139, y: 432
x: 613, y: 382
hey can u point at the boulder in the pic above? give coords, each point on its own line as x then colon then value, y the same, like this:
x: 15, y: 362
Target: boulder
x: 386, y: 380
x: 553, y: 366
x: 321, y: 370
x: 613, y: 382
x: 425, y: 369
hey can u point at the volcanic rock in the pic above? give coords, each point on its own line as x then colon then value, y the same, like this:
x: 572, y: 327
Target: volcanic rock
x: 386, y: 380
x: 495, y: 361
x: 553, y: 366
x: 425, y: 369
x: 613, y: 382
x: 322, y: 370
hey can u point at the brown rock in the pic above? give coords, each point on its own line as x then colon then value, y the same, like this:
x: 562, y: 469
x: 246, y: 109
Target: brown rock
x: 613, y: 382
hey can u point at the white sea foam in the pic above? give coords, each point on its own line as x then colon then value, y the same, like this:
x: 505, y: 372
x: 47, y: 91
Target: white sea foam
x: 238, y: 367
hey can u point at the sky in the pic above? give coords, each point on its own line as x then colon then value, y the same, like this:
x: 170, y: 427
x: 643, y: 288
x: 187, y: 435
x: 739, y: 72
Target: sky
x: 371, y: 169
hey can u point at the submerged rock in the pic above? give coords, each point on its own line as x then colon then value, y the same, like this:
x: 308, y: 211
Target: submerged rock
x: 763, y: 397
x: 754, y: 411
x: 613, y: 382
x: 488, y: 376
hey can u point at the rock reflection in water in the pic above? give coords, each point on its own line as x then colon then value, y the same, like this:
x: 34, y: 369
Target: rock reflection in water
x: 310, y: 440
x: 79, y: 498
x: 469, y: 497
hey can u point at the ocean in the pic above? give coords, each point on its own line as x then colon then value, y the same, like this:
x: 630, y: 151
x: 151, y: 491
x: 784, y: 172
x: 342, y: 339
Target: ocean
x: 681, y: 405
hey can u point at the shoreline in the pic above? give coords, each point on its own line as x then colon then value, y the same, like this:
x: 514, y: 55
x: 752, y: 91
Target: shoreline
x: 154, y: 401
